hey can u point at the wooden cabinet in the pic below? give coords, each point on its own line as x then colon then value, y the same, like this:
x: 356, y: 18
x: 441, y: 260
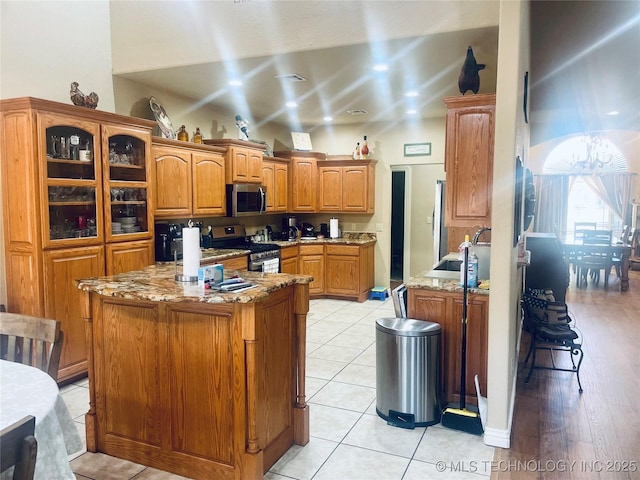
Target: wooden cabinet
x: 346, y: 186
x: 275, y: 172
x: 289, y: 259
x: 445, y: 308
x: 129, y: 256
x: 311, y: 262
x: 70, y: 174
x: 349, y: 270
x: 303, y: 180
x: 62, y: 300
x: 243, y: 160
x: 469, y: 160
x: 189, y: 179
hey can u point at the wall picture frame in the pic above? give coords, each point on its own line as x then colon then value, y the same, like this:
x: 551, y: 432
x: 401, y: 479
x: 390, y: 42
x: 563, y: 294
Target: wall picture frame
x: 417, y: 149
x: 301, y: 141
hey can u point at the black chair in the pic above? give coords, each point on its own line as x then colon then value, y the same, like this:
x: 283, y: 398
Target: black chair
x: 19, y: 448
x: 550, y: 328
x: 590, y: 263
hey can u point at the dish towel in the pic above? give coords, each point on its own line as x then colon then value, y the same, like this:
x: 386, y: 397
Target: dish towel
x: 271, y: 266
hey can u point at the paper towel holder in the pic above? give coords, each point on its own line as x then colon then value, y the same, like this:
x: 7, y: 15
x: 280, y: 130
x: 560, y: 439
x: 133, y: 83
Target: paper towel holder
x: 182, y: 278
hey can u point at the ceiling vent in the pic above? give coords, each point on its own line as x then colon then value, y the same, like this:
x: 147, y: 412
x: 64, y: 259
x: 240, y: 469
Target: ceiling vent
x: 291, y: 77
x: 359, y: 111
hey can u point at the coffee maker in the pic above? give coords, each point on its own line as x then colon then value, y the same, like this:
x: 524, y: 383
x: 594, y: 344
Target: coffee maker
x: 289, y: 228
x: 168, y: 241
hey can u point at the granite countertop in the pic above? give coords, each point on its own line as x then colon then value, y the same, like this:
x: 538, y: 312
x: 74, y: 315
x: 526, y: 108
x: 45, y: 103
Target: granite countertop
x: 442, y: 281
x: 348, y: 238
x: 156, y: 283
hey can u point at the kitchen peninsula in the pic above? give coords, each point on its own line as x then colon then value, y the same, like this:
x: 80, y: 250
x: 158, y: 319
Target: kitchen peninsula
x: 193, y: 381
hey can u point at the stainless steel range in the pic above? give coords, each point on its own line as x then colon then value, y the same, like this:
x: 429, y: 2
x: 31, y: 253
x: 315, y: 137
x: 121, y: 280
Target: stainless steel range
x: 264, y: 257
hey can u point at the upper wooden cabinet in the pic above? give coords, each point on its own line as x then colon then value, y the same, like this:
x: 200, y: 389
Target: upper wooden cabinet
x: 346, y: 186
x: 189, y: 179
x: 275, y: 172
x: 68, y: 174
x: 469, y: 160
x: 243, y: 160
x: 303, y: 180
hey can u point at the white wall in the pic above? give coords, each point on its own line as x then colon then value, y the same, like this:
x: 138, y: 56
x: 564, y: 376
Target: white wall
x: 512, y: 138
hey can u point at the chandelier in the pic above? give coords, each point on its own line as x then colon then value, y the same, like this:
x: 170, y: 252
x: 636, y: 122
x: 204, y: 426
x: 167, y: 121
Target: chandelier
x: 594, y: 153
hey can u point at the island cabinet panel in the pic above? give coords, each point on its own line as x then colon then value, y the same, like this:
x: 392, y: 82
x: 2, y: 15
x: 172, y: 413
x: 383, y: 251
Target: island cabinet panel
x: 469, y: 160
x: 445, y: 308
x: 204, y: 390
x: 62, y: 300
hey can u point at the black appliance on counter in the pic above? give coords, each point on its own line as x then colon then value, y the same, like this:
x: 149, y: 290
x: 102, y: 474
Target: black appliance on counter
x: 548, y: 268
x: 168, y: 241
x: 233, y: 237
x: 308, y: 232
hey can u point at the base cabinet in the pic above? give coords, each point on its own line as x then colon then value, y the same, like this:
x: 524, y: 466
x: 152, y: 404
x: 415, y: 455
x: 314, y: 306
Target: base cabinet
x: 289, y: 260
x: 62, y: 300
x: 311, y: 262
x: 445, y: 308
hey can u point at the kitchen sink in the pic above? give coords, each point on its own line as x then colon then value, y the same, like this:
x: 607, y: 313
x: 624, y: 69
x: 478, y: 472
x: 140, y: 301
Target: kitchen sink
x: 449, y: 265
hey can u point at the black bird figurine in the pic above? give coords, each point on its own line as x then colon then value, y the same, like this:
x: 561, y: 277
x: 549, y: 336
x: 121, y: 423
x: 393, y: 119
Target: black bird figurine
x: 469, y: 78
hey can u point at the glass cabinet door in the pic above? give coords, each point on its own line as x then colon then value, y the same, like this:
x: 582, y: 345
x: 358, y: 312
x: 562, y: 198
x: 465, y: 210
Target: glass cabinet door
x: 126, y: 153
x: 72, y: 190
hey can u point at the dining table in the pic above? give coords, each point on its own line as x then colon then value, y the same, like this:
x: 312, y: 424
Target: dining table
x: 575, y: 247
x: 26, y: 390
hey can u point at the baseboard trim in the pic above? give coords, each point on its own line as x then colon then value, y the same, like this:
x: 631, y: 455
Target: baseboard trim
x: 495, y: 437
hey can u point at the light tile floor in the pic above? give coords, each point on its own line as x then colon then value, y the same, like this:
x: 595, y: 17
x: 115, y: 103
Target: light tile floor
x: 349, y: 440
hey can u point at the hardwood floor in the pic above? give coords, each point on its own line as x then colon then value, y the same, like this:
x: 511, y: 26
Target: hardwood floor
x: 559, y: 433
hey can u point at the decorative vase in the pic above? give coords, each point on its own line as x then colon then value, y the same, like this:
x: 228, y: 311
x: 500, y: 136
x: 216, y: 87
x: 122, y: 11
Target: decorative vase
x: 365, y: 148
x: 356, y: 154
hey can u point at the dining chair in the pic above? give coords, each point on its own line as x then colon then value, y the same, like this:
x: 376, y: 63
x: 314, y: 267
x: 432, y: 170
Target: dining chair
x: 589, y: 263
x: 579, y: 229
x: 19, y: 448
x: 32, y: 341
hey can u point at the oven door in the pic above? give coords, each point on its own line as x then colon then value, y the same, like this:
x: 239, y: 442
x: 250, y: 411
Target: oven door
x: 246, y: 199
x: 266, y: 265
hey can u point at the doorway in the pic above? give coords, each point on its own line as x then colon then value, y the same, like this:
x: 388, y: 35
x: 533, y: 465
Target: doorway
x: 398, y: 230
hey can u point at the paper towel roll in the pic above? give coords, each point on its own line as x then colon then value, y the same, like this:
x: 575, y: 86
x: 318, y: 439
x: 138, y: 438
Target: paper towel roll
x: 190, y: 252
x: 333, y: 228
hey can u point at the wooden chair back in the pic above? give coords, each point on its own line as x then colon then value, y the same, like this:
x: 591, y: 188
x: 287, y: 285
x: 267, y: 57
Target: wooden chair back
x: 19, y: 448
x: 580, y: 228
x: 598, y: 237
x: 32, y: 341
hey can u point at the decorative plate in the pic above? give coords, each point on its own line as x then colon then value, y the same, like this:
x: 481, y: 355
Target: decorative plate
x: 162, y: 118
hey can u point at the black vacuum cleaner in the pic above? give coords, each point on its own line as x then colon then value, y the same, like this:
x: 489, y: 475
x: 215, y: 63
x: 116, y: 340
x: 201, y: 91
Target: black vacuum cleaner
x: 459, y: 417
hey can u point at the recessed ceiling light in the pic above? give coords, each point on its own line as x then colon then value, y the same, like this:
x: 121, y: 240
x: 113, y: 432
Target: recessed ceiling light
x: 235, y: 83
x: 381, y: 67
x: 613, y: 113
x: 292, y: 104
x: 412, y: 93
x: 328, y: 119
x: 411, y: 112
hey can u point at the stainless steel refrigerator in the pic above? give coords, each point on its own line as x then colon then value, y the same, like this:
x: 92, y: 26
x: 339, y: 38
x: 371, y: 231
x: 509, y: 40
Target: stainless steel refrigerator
x: 440, y: 237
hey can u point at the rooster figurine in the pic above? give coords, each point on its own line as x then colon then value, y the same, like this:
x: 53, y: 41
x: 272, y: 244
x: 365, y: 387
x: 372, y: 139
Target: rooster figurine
x: 469, y: 78
x: 82, y: 100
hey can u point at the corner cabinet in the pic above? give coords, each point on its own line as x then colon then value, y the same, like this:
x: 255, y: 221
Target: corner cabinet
x: 75, y: 197
x: 346, y: 186
x: 243, y: 160
x: 469, y: 160
x: 189, y: 179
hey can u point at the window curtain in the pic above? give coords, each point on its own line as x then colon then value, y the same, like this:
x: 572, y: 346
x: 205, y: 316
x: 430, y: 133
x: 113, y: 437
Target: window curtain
x: 552, y: 195
x: 614, y: 189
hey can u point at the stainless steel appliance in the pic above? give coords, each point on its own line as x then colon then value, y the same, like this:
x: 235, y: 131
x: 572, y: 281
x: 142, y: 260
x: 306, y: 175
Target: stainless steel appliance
x: 168, y: 241
x: 246, y: 199
x: 261, y: 256
x: 440, y: 233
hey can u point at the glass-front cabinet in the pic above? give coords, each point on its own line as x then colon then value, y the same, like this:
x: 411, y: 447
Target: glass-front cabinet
x: 72, y: 189
x: 126, y: 160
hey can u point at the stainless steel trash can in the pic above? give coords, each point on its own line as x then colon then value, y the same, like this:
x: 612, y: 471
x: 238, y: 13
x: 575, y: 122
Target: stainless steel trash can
x: 408, y: 371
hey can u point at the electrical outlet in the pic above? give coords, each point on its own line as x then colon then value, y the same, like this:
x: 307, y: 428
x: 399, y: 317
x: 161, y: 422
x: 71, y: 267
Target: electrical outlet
x: 353, y: 226
x: 378, y: 227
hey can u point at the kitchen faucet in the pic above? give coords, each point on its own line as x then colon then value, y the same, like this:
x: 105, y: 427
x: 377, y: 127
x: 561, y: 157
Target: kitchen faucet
x: 476, y: 236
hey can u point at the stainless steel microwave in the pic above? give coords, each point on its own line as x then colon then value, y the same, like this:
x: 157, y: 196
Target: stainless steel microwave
x: 246, y: 199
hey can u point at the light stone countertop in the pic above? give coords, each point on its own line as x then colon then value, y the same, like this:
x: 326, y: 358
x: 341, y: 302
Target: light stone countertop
x: 156, y: 283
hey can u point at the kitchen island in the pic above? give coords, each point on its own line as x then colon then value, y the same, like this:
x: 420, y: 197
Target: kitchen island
x: 193, y: 381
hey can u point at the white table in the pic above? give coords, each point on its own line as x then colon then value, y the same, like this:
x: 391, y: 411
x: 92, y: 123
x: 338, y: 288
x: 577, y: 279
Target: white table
x: 26, y: 391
